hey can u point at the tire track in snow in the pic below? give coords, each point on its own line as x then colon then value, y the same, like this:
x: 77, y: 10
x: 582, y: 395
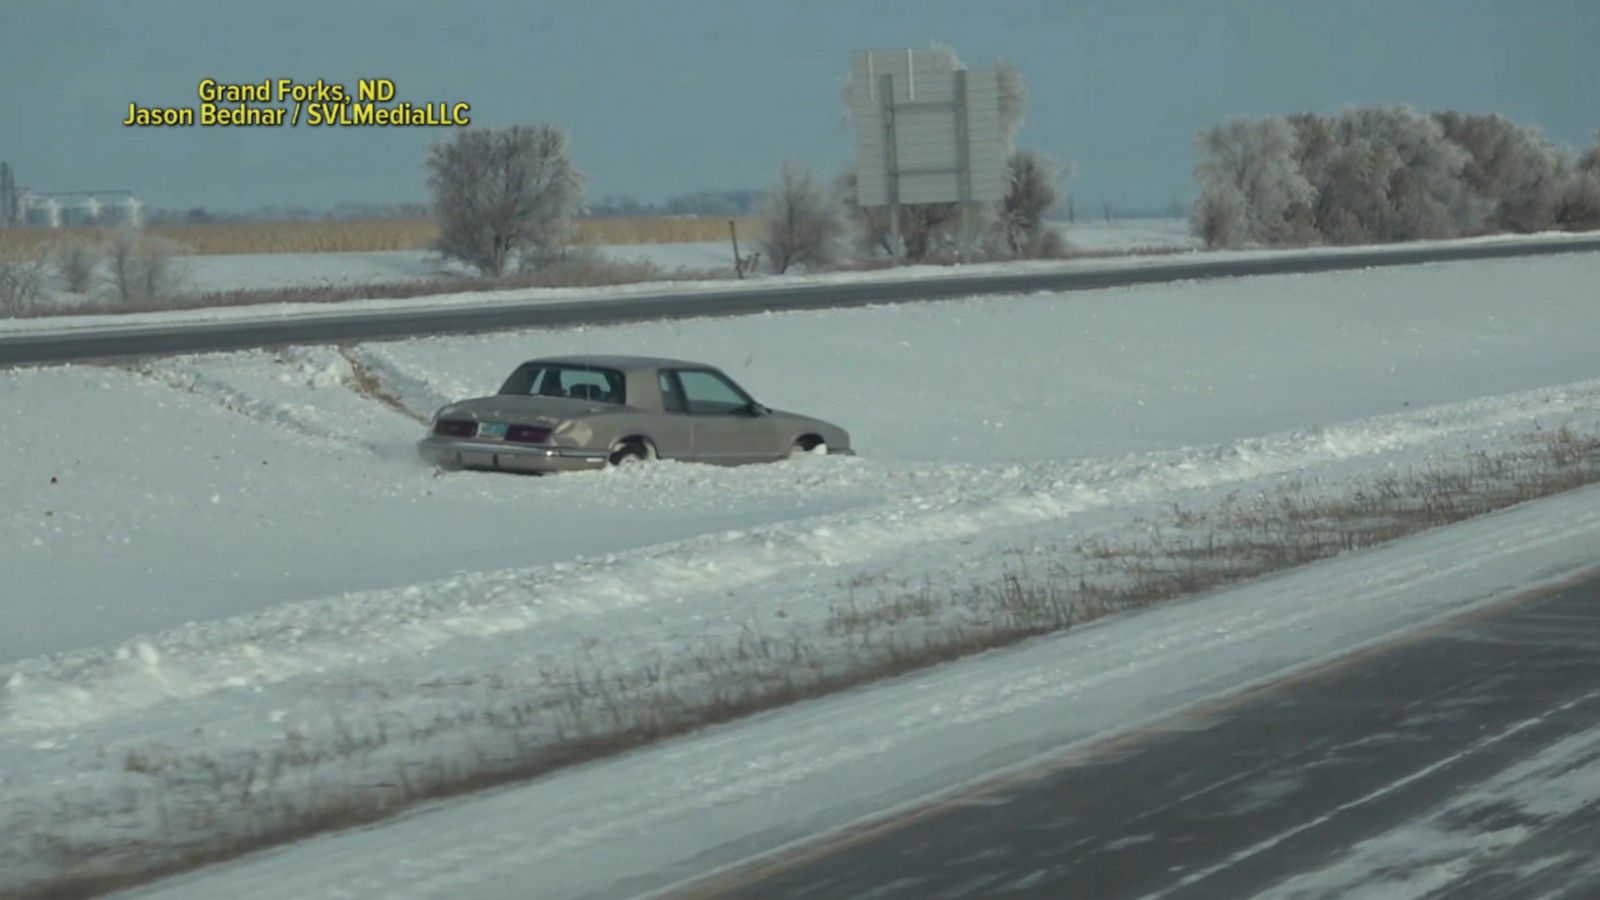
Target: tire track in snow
x: 314, y: 368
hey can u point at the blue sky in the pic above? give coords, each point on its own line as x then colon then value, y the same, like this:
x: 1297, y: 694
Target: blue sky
x: 663, y: 98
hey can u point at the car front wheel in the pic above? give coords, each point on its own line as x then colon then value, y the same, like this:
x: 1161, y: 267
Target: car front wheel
x: 807, y: 445
x: 629, y: 453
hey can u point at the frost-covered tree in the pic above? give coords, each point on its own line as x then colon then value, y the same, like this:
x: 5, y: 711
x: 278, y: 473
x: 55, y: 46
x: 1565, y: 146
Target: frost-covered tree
x: 1402, y: 177
x: 1013, y: 99
x: 800, y: 221
x: 504, y: 195
x: 1579, y: 209
x: 1513, y: 167
x: 1590, y: 162
x: 1248, y: 169
x: 1031, y: 180
x: 1388, y: 174
x: 1220, y: 216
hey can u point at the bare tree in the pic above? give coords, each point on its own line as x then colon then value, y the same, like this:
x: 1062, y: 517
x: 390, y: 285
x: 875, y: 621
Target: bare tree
x: 926, y: 229
x: 75, y: 262
x: 505, y: 195
x: 800, y: 221
x: 21, y: 284
x: 929, y: 230
x: 1031, y: 180
x: 143, y: 266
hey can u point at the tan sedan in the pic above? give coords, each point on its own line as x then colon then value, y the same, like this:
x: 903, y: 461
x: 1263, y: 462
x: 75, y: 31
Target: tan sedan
x: 584, y: 412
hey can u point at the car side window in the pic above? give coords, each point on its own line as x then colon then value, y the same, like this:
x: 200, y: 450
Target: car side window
x: 671, y: 396
x: 710, y: 393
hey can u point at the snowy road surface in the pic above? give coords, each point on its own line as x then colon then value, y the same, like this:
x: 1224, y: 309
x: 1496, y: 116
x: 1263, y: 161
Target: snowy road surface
x: 1462, y: 762
x: 686, y: 808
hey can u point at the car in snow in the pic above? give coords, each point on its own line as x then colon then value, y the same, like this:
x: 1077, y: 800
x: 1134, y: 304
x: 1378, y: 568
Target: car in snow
x: 585, y: 412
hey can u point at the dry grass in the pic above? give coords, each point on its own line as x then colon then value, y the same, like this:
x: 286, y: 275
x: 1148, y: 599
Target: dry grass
x: 664, y: 230
x: 527, y: 720
x: 368, y: 235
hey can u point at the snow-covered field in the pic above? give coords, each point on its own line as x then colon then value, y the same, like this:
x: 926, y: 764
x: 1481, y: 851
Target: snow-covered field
x: 265, y: 271
x: 1129, y: 235
x: 277, y: 454
x: 238, y: 553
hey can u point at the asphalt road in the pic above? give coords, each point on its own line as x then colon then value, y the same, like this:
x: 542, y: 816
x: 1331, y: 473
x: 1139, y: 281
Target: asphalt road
x: 1463, y: 761
x: 153, y: 340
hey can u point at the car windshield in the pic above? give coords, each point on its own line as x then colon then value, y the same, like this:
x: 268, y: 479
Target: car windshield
x: 561, y: 380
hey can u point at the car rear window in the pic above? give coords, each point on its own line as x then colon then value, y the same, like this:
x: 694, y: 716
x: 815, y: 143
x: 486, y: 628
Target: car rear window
x: 588, y: 383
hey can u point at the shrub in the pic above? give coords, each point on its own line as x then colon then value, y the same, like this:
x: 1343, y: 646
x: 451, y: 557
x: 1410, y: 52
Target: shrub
x: 21, y: 284
x: 142, y: 267
x: 75, y: 262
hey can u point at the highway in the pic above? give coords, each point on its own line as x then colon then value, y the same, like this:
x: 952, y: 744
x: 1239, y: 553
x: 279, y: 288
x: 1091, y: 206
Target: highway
x: 35, y: 347
x: 1462, y: 761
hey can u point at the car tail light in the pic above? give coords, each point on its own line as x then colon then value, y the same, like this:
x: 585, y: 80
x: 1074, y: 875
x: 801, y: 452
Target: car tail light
x: 527, y: 434
x: 462, y: 428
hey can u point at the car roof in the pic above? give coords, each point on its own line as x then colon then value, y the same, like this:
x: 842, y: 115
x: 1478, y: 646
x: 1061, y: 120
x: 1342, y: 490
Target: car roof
x: 625, y: 363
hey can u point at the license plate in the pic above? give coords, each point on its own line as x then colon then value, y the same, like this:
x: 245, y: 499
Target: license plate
x: 492, y: 430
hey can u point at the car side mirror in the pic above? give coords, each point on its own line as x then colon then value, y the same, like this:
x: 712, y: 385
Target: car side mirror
x: 755, y: 409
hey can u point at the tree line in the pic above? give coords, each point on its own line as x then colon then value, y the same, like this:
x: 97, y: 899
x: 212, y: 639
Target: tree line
x: 1379, y: 174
